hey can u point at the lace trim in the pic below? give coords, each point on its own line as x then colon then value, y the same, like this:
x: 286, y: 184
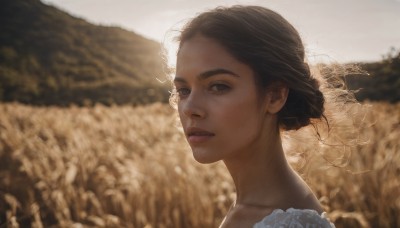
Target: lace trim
x: 295, y: 218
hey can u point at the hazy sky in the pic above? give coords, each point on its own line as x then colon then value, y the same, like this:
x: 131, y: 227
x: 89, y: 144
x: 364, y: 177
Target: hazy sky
x: 341, y: 30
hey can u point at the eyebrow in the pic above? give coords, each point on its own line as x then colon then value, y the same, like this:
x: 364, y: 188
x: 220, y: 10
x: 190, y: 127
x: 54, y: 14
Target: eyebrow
x: 208, y: 74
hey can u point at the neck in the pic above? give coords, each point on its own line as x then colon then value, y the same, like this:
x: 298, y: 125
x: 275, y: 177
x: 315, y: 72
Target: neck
x: 260, y: 173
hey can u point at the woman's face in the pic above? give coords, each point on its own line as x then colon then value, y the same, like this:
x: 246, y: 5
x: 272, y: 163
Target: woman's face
x: 218, y: 103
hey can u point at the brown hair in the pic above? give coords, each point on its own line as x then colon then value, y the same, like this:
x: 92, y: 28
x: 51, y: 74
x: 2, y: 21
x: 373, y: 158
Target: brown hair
x: 272, y: 47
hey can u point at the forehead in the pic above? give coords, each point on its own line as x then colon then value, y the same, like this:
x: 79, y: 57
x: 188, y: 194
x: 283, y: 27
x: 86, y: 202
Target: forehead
x: 201, y: 53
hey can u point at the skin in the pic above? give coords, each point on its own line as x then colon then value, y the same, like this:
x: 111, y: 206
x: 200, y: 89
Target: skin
x: 224, y: 118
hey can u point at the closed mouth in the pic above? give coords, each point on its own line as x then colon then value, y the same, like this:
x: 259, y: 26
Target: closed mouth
x: 198, y: 136
x: 192, y: 131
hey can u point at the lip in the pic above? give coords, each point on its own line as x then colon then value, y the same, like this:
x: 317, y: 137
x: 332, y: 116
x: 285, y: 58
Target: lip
x: 196, y: 135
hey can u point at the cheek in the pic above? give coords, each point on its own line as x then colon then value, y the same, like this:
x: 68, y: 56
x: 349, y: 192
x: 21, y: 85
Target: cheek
x: 242, y: 119
x: 180, y: 113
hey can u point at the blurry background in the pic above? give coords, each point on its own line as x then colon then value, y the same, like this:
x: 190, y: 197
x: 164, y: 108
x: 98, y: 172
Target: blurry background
x: 87, y: 138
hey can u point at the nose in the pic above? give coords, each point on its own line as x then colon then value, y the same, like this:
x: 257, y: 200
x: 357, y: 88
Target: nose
x: 194, y: 107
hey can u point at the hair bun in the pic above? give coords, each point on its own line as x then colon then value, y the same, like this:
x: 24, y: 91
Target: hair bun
x: 318, y: 105
x: 301, y: 107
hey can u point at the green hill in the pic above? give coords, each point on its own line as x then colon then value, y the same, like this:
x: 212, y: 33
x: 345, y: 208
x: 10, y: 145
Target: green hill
x: 382, y: 81
x: 48, y: 57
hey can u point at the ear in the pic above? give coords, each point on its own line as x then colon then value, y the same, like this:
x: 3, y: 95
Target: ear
x: 276, y: 97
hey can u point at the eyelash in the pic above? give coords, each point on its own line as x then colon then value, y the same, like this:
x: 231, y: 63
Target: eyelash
x: 180, y: 92
x: 220, y: 89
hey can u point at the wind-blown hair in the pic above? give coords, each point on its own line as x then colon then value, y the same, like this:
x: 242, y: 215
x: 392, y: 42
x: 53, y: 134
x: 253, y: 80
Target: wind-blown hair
x: 318, y: 97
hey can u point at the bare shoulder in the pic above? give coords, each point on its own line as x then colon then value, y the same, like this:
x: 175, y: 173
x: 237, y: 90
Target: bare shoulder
x: 244, y: 216
x: 294, y: 218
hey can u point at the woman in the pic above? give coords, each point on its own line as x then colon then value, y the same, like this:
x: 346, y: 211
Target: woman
x: 240, y: 80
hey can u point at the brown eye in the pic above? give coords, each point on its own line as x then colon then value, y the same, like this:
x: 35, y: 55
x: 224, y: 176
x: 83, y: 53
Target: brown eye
x: 219, y: 88
x: 183, y: 92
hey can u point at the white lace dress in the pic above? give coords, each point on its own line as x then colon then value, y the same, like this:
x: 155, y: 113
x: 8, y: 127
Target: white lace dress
x: 295, y: 218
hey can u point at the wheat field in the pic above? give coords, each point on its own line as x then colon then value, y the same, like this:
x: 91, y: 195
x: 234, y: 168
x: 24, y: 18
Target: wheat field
x: 128, y: 166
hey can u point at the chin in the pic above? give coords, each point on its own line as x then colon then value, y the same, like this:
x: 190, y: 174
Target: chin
x: 204, y: 157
